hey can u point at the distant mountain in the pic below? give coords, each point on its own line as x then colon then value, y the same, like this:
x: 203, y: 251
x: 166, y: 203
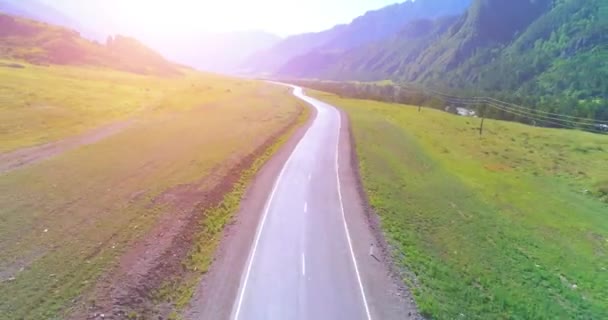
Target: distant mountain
x: 41, y: 43
x: 219, y: 52
x: 487, y: 24
x: 270, y: 60
x: 375, y: 61
x: 373, y: 26
x: 495, y: 45
x: 37, y: 10
x: 551, y: 53
x: 215, y: 52
x: 429, y: 46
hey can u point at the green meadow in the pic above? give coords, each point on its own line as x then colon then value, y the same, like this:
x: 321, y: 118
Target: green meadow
x: 512, y: 224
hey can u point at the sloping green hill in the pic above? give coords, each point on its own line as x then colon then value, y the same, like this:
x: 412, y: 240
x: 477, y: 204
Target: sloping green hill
x: 40, y: 43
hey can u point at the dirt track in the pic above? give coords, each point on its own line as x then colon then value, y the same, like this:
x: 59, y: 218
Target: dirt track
x: 26, y: 156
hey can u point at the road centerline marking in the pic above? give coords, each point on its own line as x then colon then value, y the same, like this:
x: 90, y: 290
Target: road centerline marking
x: 305, y: 207
x: 303, y: 264
x: 243, y: 285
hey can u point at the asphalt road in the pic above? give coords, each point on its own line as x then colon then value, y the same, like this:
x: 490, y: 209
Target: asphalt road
x: 301, y: 264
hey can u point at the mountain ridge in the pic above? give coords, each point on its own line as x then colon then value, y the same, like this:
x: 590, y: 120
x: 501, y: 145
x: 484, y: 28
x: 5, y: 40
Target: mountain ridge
x: 373, y: 26
x: 543, y: 53
x: 207, y: 51
x: 42, y: 43
x: 39, y: 11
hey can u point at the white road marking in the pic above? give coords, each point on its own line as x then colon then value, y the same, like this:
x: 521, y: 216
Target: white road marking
x: 305, y: 207
x: 309, y: 176
x: 350, y: 245
x: 303, y: 264
x: 267, y: 209
x: 261, y: 227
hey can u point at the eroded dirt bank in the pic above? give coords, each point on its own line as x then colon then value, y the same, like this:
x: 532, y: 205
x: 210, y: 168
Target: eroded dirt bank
x: 131, y: 288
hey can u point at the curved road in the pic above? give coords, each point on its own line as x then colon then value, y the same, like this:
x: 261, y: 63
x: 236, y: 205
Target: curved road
x: 302, y: 264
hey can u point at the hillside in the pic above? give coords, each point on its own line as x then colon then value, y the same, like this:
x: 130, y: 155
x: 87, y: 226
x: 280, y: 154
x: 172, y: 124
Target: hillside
x: 94, y: 164
x: 36, y: 10
x: 216, y: 52
x: 373, y: 26
x: 384, y: 59
x: 433, y: 46
x: 542, y: 53
x: 41, y: 43
x: 510, y: 225
x: 40, y: 11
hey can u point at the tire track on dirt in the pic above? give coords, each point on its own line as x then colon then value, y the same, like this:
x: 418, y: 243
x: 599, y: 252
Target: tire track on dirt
x: 22, y: 157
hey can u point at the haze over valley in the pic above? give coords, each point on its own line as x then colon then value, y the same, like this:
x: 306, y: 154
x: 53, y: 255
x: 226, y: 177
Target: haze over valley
x: 282, y: 159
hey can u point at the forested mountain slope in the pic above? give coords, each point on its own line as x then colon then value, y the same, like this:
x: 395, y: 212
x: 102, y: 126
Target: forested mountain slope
x: 373, y: 26
x: 376, y: 61
x: 545, y: 53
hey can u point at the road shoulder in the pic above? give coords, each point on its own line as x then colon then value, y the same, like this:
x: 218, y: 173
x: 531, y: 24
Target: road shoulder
x: 214, y: 296
x: 387, y: 295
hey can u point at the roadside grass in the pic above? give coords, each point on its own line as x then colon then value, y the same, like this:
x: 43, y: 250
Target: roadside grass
x: 509, y: 225
x: 67, y: 220
x: 42, y: 104
x: 179, y: 291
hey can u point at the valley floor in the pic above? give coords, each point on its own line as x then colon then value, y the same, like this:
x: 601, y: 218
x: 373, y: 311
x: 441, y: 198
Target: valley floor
x: 102, y: 226
x: 303, y: 244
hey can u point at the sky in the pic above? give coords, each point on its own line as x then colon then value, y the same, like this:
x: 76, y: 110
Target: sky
x: 281, y: 17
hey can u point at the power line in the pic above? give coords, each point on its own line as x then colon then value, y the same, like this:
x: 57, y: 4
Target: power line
x: 546, y: 116
x: 571, y: 125
x: 523, y: 115
x: 546, y: 112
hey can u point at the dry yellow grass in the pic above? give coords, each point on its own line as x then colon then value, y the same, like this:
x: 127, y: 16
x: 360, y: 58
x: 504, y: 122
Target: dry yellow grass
x: 66, y: 220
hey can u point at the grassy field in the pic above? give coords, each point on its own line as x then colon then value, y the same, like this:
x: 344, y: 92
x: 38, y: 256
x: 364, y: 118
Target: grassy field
x: 179, y: 291
x: 509, y: 225
x: 41, y: 104
x: 65, y: 221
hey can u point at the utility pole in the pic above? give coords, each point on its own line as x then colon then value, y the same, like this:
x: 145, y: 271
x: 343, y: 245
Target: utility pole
x: 483, y: 117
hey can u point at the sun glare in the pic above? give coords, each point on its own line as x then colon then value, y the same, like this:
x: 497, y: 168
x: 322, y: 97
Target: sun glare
x: 179, y: 15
